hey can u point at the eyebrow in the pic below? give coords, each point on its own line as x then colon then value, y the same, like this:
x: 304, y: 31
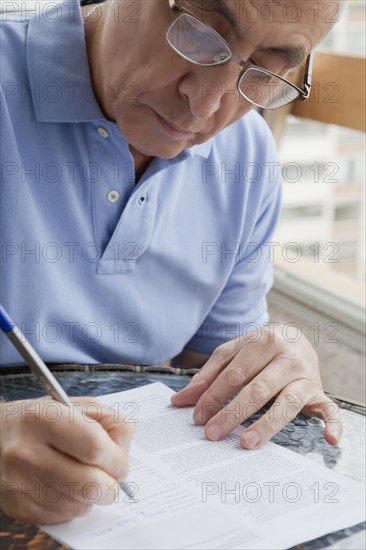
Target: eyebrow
x: 223, y: 10
x: 220, y: 7
x: 294, y: 55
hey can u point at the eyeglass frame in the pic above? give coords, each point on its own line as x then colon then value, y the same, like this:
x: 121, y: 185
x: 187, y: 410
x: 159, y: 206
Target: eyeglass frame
x: 304, y: 91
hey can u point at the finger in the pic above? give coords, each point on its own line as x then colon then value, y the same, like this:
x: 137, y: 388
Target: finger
x: 117, y: 425
x: 251, y: 399
x: 36, y: 512
x: 84, y: 438
x: 242, y: 370
x: 190, y: 394
x: 247, y: 356
x: 49, y: 474
x: 324, y: 408
x: 287, y: 406
x: 203, y: 379
x: 56, y: 512
x: 255, y: 353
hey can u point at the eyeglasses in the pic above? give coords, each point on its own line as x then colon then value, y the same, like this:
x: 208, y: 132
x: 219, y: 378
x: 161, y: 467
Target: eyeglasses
x: 202, y: 45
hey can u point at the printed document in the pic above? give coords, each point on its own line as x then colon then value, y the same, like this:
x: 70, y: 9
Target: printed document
x: 191, y: 493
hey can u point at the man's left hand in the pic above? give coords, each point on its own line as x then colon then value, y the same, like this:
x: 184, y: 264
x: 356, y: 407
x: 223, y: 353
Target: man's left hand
x: 259, y: 369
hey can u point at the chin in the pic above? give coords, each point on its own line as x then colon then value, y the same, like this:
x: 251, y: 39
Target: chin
x: 165, y: 152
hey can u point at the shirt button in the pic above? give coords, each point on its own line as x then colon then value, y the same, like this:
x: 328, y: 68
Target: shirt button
x: 103, y: 132
x: 142, y: 199
x: 112, y: 196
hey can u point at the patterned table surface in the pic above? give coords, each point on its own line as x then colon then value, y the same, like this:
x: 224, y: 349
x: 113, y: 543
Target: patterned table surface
x: 303, y: 435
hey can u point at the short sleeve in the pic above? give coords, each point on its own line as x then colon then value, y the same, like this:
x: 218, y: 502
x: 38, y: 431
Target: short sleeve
x: 242, y: 305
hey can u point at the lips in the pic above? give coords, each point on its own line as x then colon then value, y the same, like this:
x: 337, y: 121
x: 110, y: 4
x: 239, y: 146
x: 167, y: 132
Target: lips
x: 174, y: 127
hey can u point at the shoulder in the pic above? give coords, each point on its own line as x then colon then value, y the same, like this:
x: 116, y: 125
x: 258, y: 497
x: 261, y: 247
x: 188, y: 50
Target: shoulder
x: 245, y: 152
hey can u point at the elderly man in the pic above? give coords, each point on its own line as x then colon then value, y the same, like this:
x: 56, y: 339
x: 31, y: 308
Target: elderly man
x: 139, y: 194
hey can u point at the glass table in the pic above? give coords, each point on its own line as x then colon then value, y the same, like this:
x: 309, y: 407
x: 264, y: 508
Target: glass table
x: 303, y: 435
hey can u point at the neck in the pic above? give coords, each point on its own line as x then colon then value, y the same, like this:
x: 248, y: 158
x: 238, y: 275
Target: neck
x: 91, y: 22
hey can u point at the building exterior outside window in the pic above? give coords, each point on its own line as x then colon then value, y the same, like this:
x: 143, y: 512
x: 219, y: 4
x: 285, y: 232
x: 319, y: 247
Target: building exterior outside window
x: 324, y: 174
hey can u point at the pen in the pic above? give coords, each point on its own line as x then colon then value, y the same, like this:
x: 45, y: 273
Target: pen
x: 39, y: 369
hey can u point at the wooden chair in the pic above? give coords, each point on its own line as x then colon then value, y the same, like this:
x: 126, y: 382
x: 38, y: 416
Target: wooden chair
x: 337, y: 96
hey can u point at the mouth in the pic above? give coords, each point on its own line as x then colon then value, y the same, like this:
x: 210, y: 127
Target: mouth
x: 172, y: 129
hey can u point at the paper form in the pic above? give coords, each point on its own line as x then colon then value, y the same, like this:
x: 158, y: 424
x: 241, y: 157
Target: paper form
x: 191, y: 493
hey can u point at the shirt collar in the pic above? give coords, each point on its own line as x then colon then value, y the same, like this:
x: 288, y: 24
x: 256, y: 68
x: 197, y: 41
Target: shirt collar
x: 58, y: 70
x: 58, y: 66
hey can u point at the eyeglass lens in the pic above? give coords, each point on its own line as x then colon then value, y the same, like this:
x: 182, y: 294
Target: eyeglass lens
x: 200, y: 44
x: 266, y: 90
x: 197, y: 42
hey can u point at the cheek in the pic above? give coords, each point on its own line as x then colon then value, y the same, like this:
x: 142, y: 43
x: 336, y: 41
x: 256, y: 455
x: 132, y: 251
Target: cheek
x: 145, y: 65
x: 232, y: 108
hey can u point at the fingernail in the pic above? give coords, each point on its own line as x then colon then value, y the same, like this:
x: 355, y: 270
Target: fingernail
x: 120, y: 471
x: 214, y: 432
x: 198, y: 418
x: 251, y: 439
x: 336, y: 433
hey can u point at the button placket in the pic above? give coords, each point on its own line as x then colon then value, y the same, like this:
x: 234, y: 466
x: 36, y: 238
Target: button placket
x: 133, y: 234
x: 109, y: 191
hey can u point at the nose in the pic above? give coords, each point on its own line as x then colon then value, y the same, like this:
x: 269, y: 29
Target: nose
x: 204, y: 91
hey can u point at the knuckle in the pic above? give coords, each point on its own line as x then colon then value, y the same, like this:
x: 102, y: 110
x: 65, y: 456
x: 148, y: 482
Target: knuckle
x: 297, y: 361
x: 273, y: 335
x: 220, y: 353
x: 94, y: 450
x: 260, y: 391
x: 208, y: 406
x: 214, y: 399
x: 20, y: 455
x: 292, y: 364
x: 293, y: 397
x: 234, y: 376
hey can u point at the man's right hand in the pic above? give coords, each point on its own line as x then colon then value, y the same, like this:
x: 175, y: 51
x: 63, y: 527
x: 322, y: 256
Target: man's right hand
x: 56, y: 462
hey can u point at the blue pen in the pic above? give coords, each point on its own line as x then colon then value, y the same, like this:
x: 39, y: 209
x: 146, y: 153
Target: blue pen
x: 39, y: 369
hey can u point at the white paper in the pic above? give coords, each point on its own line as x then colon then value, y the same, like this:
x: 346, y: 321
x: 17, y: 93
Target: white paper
x: 191, y: 493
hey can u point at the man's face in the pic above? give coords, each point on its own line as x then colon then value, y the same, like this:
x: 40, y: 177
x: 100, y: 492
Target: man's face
x: 163, y: 103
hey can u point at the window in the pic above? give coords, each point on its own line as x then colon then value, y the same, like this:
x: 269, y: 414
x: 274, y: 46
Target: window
x: 347, y: 212
x: 327, y: 201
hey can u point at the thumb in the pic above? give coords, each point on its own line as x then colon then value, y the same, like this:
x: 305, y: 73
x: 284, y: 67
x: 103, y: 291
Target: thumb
x: 120, y: 428
x: 327, y: 410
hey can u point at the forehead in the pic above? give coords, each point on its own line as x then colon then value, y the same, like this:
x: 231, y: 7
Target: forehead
x: 240, y: 15
x: 289, y: 28
x: 279, y: 11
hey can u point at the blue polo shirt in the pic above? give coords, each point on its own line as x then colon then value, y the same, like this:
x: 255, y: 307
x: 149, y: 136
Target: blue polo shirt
x: 95, y: 268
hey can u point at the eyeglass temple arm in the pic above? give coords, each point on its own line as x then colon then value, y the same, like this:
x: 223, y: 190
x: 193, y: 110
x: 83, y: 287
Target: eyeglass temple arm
x: 306, y: 89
